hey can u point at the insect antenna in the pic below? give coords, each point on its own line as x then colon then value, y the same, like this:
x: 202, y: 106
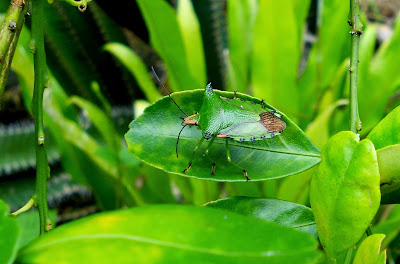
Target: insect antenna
x: 177, y: 141
x: 162, y: 85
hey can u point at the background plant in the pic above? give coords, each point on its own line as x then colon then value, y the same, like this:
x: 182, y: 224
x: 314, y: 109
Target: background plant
x: 239, y: 46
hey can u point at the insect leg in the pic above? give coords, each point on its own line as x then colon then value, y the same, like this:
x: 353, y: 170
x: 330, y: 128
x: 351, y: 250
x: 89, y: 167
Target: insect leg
x: 229, y: 159
x: 194, y: 152
x: 209, y: 145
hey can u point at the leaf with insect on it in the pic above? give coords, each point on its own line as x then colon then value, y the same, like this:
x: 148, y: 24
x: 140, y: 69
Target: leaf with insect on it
x: 152, y: 138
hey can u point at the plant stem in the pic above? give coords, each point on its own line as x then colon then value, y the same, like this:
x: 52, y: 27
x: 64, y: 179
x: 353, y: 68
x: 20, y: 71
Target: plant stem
x: 41, y: 77
x: 9, y: 35
x: 356, y: 31
x: 24, y: 208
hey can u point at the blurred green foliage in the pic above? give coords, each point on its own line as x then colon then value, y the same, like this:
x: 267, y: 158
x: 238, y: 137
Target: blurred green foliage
x: 292, y: 53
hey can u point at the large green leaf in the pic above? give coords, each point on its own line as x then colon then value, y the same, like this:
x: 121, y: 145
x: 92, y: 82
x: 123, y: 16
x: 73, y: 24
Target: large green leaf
x: 344, y: 192
x: 9, y: 235
x: 369, y: 251
x: 171, y: 234
x: 152, y: 138
x: 279, y: 212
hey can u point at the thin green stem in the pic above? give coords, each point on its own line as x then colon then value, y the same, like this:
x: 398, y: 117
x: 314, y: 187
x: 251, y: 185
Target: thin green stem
x: 24, y: 208
x: 349, y: 254
x: 9, y: 35
x: 41, y: 77
x: 82, y: 5
x: 357, y: 26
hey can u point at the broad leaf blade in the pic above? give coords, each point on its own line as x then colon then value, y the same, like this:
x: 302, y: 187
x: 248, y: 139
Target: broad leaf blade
x: 152, y: 138
x: 344, y: 192
x: 280, y: 212
x: 172, y: 234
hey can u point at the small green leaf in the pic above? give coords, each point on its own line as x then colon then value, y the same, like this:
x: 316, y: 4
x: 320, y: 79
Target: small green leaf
x: 280, y: 212
x: 386, y: 139
x: 9, y: 235
x: 387, y: 131
x: 344, y: 192
x: 369, y: 251
x: 172, y: 234
x: 159, y: 125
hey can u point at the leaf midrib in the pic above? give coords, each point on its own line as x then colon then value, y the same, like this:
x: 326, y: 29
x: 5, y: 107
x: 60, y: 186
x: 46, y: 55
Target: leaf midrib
x: 172, y: 245
x: 249, y: 147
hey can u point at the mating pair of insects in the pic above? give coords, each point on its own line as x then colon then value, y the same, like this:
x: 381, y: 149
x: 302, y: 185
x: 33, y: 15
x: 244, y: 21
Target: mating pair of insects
x: 232, y: 119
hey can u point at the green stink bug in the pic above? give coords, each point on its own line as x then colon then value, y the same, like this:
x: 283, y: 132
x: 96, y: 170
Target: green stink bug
x: 233, y: 119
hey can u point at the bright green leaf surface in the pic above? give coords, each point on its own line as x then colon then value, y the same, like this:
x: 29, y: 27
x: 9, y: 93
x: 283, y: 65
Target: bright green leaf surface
x: 9, y: 235
x: 166, y: 38
x: 152, y: 138
x: 171, y: 234
x: 279, y: 212
x: 369, y: 251
x: 344, y: 192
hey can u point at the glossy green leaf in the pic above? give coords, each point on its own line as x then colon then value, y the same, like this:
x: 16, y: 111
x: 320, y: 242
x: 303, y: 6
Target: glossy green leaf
x: 286, y: 154
x: 191, y: 34
x: 166, y: 38
x: 369, y: 251
x: 171, y: 234
x: 136, y: 67
x: 9, y: 235
x: 280, y: 212
x: 344, y: 192
x: 386, y: 139
x: 276, y: 56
